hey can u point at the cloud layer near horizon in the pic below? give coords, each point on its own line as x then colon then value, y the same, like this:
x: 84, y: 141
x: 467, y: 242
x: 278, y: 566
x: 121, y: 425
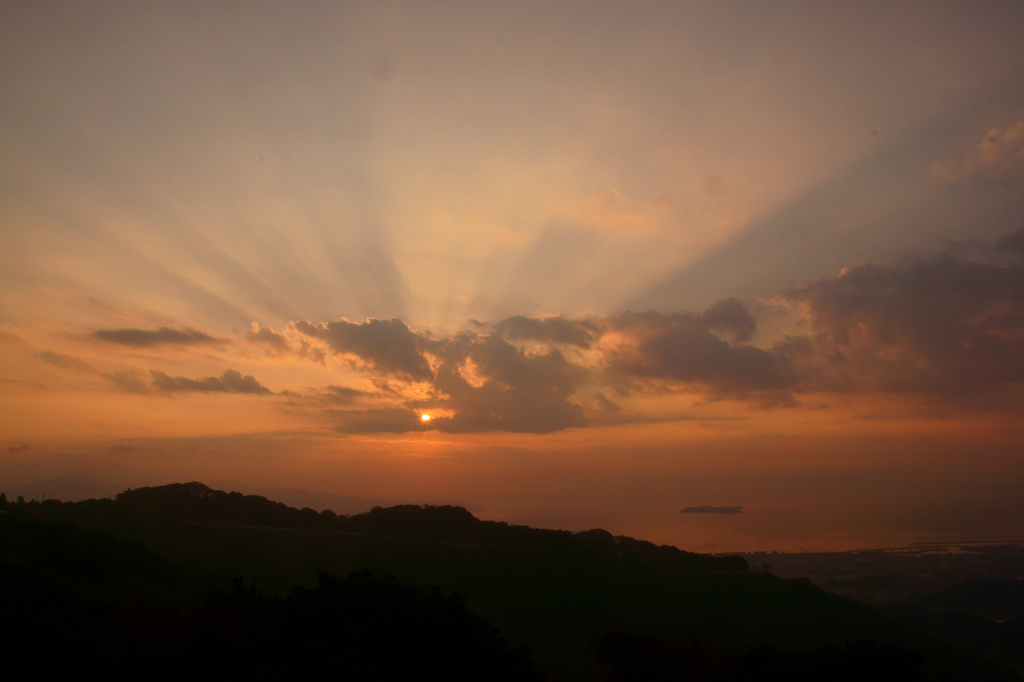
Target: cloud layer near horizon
x: 946, y: 328
x: 946, y: 331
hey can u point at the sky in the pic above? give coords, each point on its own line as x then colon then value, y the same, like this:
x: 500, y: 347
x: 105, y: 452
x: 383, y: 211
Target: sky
x: 572, y: 265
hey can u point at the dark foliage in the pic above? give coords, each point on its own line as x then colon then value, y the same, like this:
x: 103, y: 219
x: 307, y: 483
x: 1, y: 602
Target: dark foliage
x: 997, y: 600
x: 360, y: 627
x: 81, y: 604
x: 983, y: 617
x: 632, y: 657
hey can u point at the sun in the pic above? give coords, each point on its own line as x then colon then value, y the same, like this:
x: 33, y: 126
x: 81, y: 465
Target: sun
x: 425, y: 417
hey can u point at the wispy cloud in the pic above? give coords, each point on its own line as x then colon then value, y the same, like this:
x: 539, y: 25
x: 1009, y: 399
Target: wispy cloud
x: 548, y: 329
x: 231, y: 381
x: 66, y: 361
x: 13, y: 339
x: 156, y: 337
x: 999, y: 154
x: 129, y: 381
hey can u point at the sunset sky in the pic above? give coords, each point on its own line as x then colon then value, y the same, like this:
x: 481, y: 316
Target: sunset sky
x: 572, y: 265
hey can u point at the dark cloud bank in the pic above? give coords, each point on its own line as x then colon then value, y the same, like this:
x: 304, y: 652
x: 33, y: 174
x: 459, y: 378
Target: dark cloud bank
x: 507, y: 389
x: 947, y: 328
x: 943, y: 326
x: 388, y: 346
x: 487, y: 383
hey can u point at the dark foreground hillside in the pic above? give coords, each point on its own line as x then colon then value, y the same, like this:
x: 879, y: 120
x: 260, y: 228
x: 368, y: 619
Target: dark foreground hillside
x: 969, y: 595
x: 81, y: 604
x: 133, y: 575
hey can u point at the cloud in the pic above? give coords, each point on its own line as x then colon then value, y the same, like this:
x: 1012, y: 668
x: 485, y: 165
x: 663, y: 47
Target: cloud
x: 278, y: 344
x: 155, y: 337
x: 945, y: 328
x: 549, y: 329
x: 732, y: 317
x: 712, y: 510
x: 21, y: 447
x: 13, y: 339
x: 999, y: 155
x: 342, y: 395
x: 274, y: 342
x: 230, y: 381
x: 939, y: 325
x: 683, y: 347
x: 485, y: 384
x: 605, y: 404
x: 491, y: 385
x: 129, y: 381
x: 66, y: 361
x: 388, y: 346
x: 1012, y: 242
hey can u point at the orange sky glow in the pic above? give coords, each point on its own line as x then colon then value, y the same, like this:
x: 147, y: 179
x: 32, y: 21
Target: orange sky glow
x: 569, y: 269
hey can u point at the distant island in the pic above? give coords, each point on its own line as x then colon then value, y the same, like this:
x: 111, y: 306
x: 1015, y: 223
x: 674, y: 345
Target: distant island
x: 712, y: 510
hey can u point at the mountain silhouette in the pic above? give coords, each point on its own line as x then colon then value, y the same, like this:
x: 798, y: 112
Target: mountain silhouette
x: 563, y: 597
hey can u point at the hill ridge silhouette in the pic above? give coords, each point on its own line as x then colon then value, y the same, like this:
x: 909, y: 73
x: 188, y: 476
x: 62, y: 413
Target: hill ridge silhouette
x: 196, y: 503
